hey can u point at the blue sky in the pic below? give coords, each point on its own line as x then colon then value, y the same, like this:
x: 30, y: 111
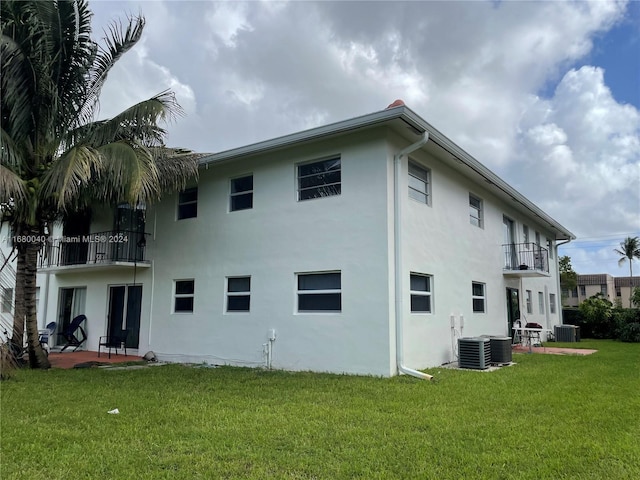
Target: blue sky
x: 545, y: 94
x: 618, y: 52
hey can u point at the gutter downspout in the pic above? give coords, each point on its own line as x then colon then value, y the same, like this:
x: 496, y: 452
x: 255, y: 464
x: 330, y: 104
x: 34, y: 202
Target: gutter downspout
x: 561, y: 316
x: 397, y: 163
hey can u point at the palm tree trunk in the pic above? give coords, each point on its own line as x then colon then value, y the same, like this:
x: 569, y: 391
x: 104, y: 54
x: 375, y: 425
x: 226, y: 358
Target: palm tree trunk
x: 37, y: 356
x: 25, y: 310
x: 17, y: 337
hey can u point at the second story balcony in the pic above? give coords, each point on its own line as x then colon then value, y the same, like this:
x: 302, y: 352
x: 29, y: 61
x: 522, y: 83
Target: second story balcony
x: 94, y: 251
x: 525, y: 260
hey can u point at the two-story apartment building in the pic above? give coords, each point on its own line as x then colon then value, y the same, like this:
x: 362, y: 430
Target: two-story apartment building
x: 615, y: 289
x: 365, y: 246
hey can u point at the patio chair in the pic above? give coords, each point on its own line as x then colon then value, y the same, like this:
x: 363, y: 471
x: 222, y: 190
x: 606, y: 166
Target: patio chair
x: 72, y: 333
x: 115, y: 341
x: 46, y: 334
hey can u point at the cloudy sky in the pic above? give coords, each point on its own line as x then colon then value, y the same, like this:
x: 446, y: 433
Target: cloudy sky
x: 546, y: 94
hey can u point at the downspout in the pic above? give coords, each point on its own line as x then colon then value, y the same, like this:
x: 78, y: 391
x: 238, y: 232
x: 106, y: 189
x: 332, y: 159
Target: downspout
x: 397, y: 161
x: 559, y: 288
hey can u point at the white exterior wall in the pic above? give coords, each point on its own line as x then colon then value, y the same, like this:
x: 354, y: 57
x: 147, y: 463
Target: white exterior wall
x: 97, y: 284
x: 351, y: 233
x: 272, y: 242
x: 439, y: 240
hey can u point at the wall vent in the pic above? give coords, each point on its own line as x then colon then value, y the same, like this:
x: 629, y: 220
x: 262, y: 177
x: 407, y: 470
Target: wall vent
x: 566, y: 333
x: 474, y: 353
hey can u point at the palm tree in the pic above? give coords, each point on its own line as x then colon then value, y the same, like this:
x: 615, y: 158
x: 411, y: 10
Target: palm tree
x: 55, y: 157
x: 629, y: 250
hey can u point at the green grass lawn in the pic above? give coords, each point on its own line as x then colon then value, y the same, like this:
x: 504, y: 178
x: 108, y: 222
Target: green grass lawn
x: 548, y: 416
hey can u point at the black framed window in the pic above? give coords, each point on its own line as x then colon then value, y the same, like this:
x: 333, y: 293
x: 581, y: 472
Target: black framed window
x: 320, y: 179
x: 188, y: 203
x: 320, y: 292
x: 478, y: 297
x: 238, y: 294
x: 420, y: 289
x: 183, y: 296
x: 241, y: 197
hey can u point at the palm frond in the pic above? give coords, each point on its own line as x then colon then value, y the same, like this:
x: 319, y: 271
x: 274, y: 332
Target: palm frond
x: 11, y: 186
x: 10, y: 153
x: 17, y: 88
x: 117, y: 41
x: 72, y: 172
x: 129, y: 173
x: 137, y: 124
x: 175, y: 167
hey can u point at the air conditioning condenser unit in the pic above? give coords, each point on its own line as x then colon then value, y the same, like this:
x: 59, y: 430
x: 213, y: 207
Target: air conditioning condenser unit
x: 474, y: 353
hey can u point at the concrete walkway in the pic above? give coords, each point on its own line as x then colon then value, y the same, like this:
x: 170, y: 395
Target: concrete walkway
x: 552, y: 350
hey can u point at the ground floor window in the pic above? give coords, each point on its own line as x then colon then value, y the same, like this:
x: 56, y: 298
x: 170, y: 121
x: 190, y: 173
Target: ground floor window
x: 541, y: 303
x: 319, y: 292
x: 238, y: 294
x: 529, y: 301
x: 184, y: 291
x: 421, y: 301
x: 552, y: 302
x: 478, y: 297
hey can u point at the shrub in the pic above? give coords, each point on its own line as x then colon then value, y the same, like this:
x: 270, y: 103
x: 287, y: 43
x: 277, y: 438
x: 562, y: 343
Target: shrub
x: 630, y: 332
x: 597, y: 312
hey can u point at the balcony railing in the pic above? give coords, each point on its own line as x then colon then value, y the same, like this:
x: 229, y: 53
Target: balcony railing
x: 524, y: 257
x: 95, y: 248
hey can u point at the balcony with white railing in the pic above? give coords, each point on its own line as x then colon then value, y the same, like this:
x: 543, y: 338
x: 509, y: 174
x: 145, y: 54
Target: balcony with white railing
x: 525, y: 260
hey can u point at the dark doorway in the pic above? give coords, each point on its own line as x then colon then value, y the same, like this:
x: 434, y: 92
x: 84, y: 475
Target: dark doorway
x: 513, y: 308
x: 75, y: 226
x: 129, y: 223
x: 71, y: 304
x: 125, y: 305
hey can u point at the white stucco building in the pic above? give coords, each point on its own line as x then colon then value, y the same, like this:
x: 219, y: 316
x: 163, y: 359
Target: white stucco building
x: 353, y: 247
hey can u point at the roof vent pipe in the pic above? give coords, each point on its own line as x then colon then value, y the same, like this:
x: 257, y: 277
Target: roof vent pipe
x: 397, y: 160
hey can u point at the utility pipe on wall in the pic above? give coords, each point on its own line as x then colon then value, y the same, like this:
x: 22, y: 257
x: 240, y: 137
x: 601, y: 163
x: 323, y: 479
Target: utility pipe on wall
x: 558, y: 286
x: 397, y: 160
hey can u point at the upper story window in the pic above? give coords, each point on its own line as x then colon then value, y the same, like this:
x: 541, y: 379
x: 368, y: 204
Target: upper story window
x: 550, y: 248
x: 419, y: 183
x: 241, y: 197
x: 420, y: 293
x: 319, y: 179
x: 478, y: 296
x: 475, y: 211
x: 184, y: 292
x: 525, y: 234
x: 603, y: 289
x: 188, y: 203
x: 538, y: 238
x: 320, y: 292
x: 238, y: 294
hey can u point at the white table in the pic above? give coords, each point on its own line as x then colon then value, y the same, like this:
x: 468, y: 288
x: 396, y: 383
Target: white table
x: 529, y: 334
